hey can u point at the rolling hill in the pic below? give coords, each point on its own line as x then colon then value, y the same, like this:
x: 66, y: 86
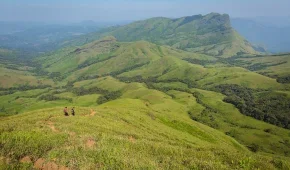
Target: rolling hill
x: 275, y: 66
x: 15, y: 71
x: 105, y: 72
x: 142, y: 103
x: 210, y: 34
x: 146, y: 126
x: 147, y: 60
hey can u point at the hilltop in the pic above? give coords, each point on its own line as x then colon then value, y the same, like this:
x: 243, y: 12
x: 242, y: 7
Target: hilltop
x: 210, y: 34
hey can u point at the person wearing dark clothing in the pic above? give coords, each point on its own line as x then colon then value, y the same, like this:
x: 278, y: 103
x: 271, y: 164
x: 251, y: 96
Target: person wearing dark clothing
x: 65, y: 111
x: 73, y: 111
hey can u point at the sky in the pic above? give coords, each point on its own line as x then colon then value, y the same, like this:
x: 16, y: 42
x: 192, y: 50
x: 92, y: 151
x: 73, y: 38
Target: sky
x: 130, y: 10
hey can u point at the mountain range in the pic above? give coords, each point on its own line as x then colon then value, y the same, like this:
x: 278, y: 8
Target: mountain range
x: 265, y: 32
x: 185, y: 93
x: 211, y: 34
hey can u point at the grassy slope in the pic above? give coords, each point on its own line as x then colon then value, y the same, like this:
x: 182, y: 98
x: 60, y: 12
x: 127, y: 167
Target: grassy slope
x: 246, y: 130
x: 14, y: 71
x: 10, y: 78
x: 145, y: 59
x: 274, y: 66
x: 143, y: 129
x: 240, y: 76
x: 169, y: 68
x: 210, y: 34
x: 67, y: 59
x: 99, y: 58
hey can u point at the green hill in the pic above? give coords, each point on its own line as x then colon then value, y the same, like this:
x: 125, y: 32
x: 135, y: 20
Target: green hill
x: 149, y: 63
x: 275, y: 66
x: 15, y: 71
x: 182, y: 87
x: 129, y: 60
x: 141, y: 105
x: 145, y: 128
x: 210, y: 34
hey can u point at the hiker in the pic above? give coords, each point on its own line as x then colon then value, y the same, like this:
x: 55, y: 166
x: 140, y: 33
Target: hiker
x: 65, y: 111
x: 73, y: 111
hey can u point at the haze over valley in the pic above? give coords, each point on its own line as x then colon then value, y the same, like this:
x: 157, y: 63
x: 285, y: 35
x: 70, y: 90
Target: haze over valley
x: 144, y: 85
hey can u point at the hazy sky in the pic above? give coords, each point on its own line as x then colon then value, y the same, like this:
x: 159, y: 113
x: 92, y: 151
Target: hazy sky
x: 124, y: 10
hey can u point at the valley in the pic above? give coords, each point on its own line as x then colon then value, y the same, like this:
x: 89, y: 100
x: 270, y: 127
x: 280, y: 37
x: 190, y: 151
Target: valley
x: 186, y: 93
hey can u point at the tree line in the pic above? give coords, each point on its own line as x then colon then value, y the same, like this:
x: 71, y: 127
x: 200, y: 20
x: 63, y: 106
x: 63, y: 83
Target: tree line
x: 106, y: 95
x: 285, y: 79
x: 267, y: 106
x: 24, y: 87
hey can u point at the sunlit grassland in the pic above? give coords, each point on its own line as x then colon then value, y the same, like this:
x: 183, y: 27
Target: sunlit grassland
x: 131, y: 59
x: 145, y: 128
x: 239, y: 76
x: 127, y: 133
x: 167, y: 115
x: 245, y: 129
x: 107, y: 83
x: 277, y: 65
x: 10, y: 78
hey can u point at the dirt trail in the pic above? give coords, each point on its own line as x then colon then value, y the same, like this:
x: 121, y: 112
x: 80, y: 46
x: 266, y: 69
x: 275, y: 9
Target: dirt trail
x: 90, y: 143
x: 25, y: 159
x: 50, y: 166
x: 41, y: 164
x: 51, y: 126
x: 132, y: 139
x: 72, y: 134
x: 92, y: 112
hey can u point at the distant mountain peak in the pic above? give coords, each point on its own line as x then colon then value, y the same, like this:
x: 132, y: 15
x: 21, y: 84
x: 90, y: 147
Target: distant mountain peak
x: 108, y: 38
x: 210, y: 34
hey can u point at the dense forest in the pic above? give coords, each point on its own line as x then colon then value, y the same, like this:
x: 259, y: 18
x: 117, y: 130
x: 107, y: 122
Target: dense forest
x: 269, y: 106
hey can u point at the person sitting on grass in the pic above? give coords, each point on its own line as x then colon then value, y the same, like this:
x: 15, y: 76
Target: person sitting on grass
x: 65, y: 111
x: 73, y: 111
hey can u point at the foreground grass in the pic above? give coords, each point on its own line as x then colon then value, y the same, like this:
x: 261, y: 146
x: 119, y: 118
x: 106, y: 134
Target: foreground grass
x: 122, y: 134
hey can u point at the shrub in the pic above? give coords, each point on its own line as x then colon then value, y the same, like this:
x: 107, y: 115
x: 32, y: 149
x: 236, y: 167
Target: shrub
x: 285, y: 79
x: 49, y: 97
x: 268, y: 106
x: 254, y: 147
x: 109, y: 96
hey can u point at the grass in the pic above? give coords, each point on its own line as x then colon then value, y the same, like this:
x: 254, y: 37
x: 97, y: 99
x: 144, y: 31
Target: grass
x: 10, y: 78
x: 127, y: 134
x: 239, y: 76
x: 245, y: 129
x: 227, y: 118
x: 131, y: 59
x: 20, y: 102
x: 107, y: 83
x: 145, y: 128
x: 166, y: 117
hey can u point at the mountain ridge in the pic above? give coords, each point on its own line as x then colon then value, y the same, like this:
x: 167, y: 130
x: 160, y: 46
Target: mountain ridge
x: 144, y: 105
x: 275, y: 39
x: 210, y: 34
